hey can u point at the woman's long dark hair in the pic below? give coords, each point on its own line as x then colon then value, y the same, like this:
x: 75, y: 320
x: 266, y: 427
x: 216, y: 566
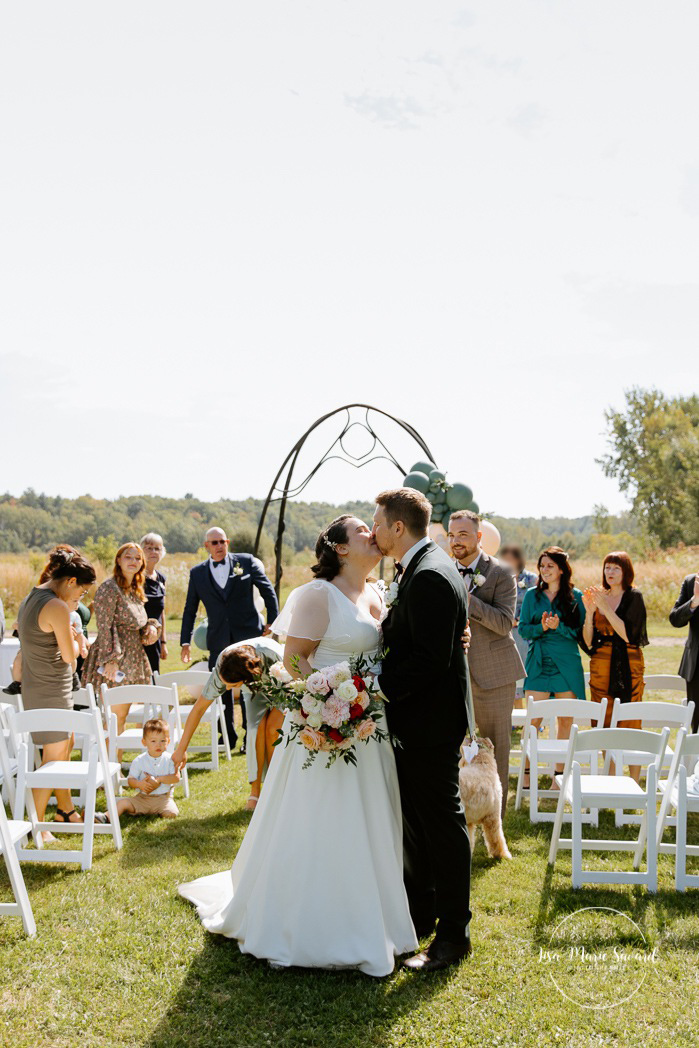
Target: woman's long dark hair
x: 328, y: 563
x: 566, y: 600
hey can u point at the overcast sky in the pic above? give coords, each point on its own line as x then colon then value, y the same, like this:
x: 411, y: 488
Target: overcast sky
x: 221, y: 220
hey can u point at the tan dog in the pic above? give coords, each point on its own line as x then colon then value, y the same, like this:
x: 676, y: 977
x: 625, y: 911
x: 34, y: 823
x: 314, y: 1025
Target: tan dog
x: 481, y: 795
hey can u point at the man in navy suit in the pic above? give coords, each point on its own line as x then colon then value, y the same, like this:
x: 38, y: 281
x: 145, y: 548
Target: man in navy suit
x: 224, y: 585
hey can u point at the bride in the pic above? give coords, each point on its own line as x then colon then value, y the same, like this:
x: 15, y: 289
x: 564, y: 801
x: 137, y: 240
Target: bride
x: 318, y: 879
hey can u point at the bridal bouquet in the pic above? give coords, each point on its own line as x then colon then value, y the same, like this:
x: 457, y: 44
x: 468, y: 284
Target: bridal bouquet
x: 331, y: 709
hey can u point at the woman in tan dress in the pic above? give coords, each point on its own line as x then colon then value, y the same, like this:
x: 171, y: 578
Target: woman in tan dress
x: 123, y: 628
x: 49, y: 646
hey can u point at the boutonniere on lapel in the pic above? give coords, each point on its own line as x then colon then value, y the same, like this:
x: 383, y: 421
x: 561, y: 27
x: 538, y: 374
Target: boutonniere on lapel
x: 522, y: 584
x: 478, y: 579
x: 237, y: 569
x: 389, y: 593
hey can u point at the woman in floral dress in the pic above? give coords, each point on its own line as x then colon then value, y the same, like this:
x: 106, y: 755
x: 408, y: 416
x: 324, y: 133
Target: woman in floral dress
x: 123, y: 628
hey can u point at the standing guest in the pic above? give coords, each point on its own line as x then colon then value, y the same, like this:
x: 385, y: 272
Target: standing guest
x: 513, y: 555
x: 685, y: 611
x: 224, y: 585
x: 494, y: 661
x: 49, y: 650
x: 118, y: 655
x: 237, y: 668
x: 551, y: 620
x: 614, y: 633
x: 154, y: 588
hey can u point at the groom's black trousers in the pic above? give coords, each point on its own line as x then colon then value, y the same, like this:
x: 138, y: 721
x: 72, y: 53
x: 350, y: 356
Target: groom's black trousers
x: 436, y: 846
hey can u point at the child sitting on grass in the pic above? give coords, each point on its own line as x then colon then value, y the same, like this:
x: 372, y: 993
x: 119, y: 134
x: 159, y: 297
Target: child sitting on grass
x: 152, y: 775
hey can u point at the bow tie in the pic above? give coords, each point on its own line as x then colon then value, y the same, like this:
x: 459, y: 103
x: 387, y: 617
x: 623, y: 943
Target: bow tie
x: 465, y: 571
x: 220, y: 563
x: 399, y: 569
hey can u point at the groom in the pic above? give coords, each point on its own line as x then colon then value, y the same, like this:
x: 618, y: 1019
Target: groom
x: 425, y: 679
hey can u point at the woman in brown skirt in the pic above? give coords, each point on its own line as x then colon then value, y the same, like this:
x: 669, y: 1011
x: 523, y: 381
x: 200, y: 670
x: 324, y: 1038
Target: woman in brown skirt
x: 614, y: 635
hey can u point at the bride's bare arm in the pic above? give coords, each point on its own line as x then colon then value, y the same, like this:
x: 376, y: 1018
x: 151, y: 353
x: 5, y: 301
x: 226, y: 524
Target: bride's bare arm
x: 301, y: 648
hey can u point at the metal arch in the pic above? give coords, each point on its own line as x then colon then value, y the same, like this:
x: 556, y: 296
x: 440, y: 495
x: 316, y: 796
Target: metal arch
x: 287, y: 491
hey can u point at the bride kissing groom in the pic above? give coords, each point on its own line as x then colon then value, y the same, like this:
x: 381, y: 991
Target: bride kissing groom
x: 348, y: 866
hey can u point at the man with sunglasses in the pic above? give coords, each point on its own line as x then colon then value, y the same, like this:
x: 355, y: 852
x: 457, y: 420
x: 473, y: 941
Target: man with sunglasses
x: 225, y: 584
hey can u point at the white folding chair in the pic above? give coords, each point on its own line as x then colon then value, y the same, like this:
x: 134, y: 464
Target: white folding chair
x: 665, y: 682
x: 519, y: 716
x: 610, y: 791
x: 92, y: 774
x: 193, y: 681
x: 652, y: 716
x: 152, y: 702
x: 676, y: 803
x: 11, y: 834
x: 8, y: 757
x: 551, y: 751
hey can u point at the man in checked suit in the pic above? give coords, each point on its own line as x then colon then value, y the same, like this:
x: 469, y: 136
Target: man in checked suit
x: 224, y: 585
x: 494, y: 661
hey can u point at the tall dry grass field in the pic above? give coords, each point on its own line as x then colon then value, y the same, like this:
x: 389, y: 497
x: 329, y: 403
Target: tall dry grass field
x: 659, y: 577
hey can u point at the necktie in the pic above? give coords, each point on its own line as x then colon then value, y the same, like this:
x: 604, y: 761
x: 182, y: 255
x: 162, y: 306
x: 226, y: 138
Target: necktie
x: 399, y: 569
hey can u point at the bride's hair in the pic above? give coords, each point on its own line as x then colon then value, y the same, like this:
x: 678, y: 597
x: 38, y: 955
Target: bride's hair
x: 328, y: 563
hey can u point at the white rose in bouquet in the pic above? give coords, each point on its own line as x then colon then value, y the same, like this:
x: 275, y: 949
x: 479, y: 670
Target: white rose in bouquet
x: 279, y: 672
x: 314, y: 720
x: 311, y: 704
x: 346, y: 691
x: 298, y: 687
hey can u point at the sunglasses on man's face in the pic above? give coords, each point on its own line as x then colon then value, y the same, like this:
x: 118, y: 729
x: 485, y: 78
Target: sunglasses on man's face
x: 218, y: 542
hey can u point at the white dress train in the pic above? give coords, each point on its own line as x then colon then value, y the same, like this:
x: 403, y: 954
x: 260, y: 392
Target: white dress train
x: 318, y: 879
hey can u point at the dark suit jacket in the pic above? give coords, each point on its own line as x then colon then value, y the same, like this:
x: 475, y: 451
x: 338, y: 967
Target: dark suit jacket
x: 231, y: 611
x: 680, y: 615
x: 425, y: 673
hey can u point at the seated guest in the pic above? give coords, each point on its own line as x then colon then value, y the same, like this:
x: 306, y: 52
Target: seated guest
x: 686, y: 611
x: 614, y: 634
x: 153, y: 775
x: 118, y: 656
x: 49, y: 650
x: 551, y: 621
x: 237, y: 666
x: 493, y: 660
x: 514, y: 556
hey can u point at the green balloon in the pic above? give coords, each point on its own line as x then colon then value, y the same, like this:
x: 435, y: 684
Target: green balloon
x: 474, y: 507
x: 437, y: 516
x: 418, y: 481
x: 423, y: 467
x: 199, y: 637
x: 436, y: 476
x: 430, y: 496
x: 459, y: 496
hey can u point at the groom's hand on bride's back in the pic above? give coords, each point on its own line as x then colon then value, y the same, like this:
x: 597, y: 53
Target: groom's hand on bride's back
x: 466, y: 638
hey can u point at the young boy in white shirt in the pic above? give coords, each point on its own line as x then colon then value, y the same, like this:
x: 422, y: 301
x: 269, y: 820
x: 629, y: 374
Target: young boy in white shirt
x: 152, y: 775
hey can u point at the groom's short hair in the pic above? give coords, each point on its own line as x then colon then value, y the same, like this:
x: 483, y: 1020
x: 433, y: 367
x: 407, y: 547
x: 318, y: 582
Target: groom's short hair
x: 407, y: 505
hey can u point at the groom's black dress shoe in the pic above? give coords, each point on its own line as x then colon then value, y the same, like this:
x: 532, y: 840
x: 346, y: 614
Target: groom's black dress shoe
x: 438, y: 955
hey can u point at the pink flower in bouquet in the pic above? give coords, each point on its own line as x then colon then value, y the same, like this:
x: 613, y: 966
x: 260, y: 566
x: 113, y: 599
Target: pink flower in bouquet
x: 335, y: 675
x: 279, y: 672
x: 366, y: 728
x: 363, y: 699
x: 335, y: 712
x: 311, y: 739
x: 297, y: 717
x: 317, y: 684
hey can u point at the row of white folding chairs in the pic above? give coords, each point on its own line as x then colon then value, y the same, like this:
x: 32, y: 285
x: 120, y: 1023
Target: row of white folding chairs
x: 594, y: 790
x: 652, y: 682
x: 549, y: 752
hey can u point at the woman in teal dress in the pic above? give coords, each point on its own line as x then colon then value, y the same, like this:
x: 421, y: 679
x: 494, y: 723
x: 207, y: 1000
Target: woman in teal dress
x: 551, y: 620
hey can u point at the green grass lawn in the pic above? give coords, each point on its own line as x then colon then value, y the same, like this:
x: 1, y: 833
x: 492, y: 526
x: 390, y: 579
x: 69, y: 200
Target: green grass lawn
x: 120, y: 960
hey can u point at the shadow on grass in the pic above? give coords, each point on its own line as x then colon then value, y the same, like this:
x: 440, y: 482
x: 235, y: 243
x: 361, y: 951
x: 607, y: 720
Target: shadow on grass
x: 229, y: 999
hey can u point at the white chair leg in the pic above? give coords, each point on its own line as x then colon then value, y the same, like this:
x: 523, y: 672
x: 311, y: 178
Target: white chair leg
x: 214, y: 740
x: 556, y: 835
x: 19, y: 890
x: 224, y: 730
x: 681, y: 833
x: 576, y: 829
x: 652, y: 844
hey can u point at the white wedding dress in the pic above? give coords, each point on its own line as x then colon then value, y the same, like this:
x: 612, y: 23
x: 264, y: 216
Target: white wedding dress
x: 318, y: 879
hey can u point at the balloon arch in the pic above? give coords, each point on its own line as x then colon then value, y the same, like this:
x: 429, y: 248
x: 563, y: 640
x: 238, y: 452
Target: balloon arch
x: 423, y: 475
